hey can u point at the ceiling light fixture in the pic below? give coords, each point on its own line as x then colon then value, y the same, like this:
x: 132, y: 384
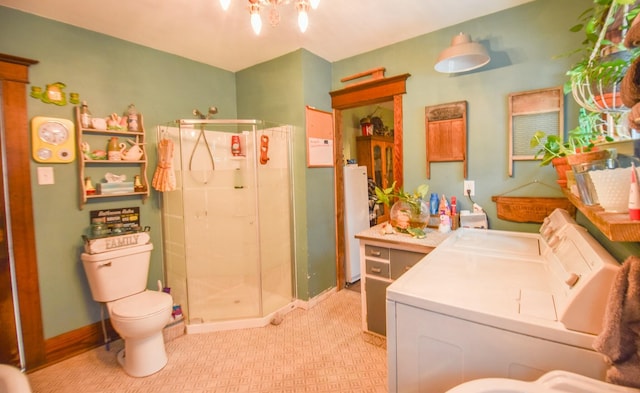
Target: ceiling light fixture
x: 302, y: 6
x: 254, y: 11
x: 463, y: 55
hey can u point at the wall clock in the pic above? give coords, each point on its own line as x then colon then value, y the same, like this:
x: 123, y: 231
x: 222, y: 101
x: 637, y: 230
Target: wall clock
x: 52, y: 140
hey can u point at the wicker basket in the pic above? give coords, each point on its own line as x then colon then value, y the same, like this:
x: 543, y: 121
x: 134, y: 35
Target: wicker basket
x: 530, y: 209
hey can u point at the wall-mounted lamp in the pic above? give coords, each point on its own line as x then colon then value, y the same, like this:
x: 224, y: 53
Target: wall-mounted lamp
x: 463, y: 55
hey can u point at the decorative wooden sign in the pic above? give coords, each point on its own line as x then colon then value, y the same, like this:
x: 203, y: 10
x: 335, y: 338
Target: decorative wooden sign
x: 446, y: 128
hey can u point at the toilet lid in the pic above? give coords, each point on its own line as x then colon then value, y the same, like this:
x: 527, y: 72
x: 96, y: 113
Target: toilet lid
x: 140, y: 305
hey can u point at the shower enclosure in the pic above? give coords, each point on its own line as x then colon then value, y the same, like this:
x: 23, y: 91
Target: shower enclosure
x: 228, y: 224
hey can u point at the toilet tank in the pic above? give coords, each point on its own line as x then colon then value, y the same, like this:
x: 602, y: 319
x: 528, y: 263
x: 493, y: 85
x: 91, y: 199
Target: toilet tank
x: 116, y: 274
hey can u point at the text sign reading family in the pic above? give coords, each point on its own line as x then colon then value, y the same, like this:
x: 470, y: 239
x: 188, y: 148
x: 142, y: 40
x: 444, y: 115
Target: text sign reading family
x: 129, y: 217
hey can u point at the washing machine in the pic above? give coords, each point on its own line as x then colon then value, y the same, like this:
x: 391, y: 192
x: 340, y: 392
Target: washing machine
x: 502, y: 304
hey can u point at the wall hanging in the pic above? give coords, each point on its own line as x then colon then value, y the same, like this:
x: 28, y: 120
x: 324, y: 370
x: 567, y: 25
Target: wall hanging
x: 531, y: 111
x: 446, y: 128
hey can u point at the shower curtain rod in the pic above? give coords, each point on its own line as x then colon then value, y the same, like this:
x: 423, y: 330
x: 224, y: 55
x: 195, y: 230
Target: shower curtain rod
x: 215, y: 121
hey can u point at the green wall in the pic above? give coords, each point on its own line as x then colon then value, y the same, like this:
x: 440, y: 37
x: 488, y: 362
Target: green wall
x: 304, y: 78
x: 110, y: 74
x: 522, y: 43
x: 528, y: 46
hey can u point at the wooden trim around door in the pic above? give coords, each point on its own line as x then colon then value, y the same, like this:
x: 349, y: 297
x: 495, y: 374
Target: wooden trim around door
x: 360, y: 94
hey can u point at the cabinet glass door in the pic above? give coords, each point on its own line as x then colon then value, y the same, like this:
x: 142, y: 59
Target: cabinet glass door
x: 377, y: 165
x: 389, y: 165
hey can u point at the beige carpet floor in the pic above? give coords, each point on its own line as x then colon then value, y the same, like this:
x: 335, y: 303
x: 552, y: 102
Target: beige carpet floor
x: 318, y: 350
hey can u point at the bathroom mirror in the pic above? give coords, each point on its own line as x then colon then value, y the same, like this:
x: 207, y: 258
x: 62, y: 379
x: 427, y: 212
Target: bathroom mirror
x: 383, y: 92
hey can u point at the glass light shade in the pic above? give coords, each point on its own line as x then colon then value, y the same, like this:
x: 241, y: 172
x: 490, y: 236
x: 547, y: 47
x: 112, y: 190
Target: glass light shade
x: 256, y: 22
x: 225, y: 4
x: 303, y: 20
x: 462, y: 55
x: 314, y: 3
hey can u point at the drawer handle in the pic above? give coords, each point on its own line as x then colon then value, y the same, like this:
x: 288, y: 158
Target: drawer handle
x: 376, y: 270
x: 376, y: 253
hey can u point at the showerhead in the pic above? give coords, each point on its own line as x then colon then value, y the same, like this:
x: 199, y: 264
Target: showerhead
x: 212, y: 111
x: 198, y: 114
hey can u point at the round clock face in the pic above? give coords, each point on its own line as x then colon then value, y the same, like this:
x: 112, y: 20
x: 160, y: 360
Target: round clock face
x: 53, y: 132
x: 44, y: 154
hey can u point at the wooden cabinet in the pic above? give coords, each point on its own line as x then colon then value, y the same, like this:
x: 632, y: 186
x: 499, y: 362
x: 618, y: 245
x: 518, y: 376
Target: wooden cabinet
x: 381, y: 265
x: 95, y: 169
x: 376, y: 153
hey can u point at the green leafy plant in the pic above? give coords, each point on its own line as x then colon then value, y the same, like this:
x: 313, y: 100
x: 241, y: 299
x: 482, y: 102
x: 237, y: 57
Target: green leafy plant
x: 413, y: 200
x: 604, y: 58
x: 388, y: 195
x: 581, y: 139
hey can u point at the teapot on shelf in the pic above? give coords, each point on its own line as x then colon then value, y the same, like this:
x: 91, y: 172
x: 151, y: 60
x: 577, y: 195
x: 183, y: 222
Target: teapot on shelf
x: 134, y: 153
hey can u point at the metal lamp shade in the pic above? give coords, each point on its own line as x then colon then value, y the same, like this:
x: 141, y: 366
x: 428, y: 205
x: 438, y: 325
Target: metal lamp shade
x: 462, y: 55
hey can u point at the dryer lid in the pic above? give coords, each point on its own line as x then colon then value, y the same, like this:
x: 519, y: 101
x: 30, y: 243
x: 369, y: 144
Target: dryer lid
x: 142, y: 304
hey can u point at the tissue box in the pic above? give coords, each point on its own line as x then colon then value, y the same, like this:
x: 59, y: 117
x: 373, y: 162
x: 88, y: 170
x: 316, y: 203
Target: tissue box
x: 473, y: 220
x: 114, y: 188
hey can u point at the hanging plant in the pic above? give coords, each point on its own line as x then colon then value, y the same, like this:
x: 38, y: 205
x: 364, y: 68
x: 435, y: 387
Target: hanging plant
x: 594, y: 81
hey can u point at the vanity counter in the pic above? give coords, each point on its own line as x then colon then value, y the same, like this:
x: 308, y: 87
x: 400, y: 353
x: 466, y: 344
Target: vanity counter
x: 403, y: 240
x: 384, y: 258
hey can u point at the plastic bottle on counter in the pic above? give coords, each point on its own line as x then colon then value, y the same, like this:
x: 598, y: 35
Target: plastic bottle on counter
x: 433, y: 204
x: 453, y: 206
x: 443, y: 208
x: 445, y: 223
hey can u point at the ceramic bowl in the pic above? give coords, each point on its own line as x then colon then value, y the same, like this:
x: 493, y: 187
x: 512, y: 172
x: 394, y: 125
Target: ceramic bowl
x: 612, y: 187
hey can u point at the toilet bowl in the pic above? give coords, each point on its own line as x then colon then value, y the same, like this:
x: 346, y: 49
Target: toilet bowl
x: 556, y: 381
x: 139, y: 319
x: 118, y: 278
x: 12, y: 380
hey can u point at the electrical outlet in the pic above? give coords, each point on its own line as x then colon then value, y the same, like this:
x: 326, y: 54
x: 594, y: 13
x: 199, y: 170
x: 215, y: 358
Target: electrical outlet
x: 471, y: 186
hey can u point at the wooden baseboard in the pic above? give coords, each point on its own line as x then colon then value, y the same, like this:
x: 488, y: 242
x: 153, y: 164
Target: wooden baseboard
x: 72, y: 343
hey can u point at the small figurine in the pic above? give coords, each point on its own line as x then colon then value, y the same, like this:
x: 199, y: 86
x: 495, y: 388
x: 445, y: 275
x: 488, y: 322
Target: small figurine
x: 387, y: 229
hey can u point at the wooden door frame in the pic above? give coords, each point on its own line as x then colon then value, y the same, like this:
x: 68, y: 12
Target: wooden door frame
x: 14, y: 78
x: 361, y: 94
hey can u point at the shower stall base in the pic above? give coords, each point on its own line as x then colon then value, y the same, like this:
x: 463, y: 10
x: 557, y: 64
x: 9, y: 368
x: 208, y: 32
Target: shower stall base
x: 228, y: 231
x: 232, y: 324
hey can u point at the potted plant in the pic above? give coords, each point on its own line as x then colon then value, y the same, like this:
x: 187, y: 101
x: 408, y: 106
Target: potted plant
x: 595, y: 80
x: 409, y: 212
x: 579, y: 146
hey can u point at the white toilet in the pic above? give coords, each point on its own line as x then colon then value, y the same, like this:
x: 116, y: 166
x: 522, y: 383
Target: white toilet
x: 119, y: 279
x: 556, y: 381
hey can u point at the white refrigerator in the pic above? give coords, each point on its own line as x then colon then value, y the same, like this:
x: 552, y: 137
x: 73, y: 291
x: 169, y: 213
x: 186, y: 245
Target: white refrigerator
x: 356, y: 217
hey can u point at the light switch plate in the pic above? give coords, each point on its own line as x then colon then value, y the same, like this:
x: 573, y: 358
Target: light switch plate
x: 45, y: 175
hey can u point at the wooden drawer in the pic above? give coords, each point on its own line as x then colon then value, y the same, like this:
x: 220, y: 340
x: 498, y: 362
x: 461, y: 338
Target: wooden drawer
x: 376, y: 268
x: 402, y: 260
x: 377, y: 252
